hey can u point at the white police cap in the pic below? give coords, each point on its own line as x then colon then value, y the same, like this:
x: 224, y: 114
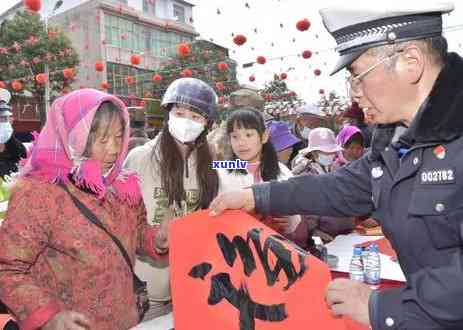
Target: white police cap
x: 360, y: 25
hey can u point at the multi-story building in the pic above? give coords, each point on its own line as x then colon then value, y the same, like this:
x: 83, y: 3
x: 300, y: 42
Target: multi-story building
x: 110, y: 31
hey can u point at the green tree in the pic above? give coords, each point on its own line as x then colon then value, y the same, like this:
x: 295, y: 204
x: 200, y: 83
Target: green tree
x: 203, y: 60
x: 279, y: 99
x: 333, y: 106
x: 25, y: 47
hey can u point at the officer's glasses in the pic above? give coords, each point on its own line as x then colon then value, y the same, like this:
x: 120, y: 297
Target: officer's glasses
x: 354, y: 82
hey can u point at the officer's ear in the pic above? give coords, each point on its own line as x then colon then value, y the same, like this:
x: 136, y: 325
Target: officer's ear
x: 412, y: 63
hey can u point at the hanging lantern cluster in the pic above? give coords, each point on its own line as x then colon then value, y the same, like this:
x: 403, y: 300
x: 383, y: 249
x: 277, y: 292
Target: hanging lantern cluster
x: 183, y: 50
x: 17, y: 85
x: 157, y: 77
x: 222, y: 66
x: 135, y: 59
x: 41, y: 78
x: 261, y: 60
x: 69, y: 73
x: 239, y: 39
x: 306, y: 54
x: 99, y: 66
x: 33, y: 5
x: 303, y: 24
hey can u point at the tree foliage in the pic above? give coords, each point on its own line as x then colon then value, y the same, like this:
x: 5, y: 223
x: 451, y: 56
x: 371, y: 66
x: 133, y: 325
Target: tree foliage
x: 25, y: 47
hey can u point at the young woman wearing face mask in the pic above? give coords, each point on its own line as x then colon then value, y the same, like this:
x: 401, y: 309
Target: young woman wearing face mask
x: 319, y: 158
x: 250, y: 142
x: 11, y: 150
x: 176, y: 174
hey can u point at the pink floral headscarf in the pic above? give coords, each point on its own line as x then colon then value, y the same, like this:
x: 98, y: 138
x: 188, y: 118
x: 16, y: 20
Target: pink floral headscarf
x: 57, y: 152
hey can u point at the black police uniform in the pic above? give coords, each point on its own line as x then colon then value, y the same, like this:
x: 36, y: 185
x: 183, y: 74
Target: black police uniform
x: 414, y: 187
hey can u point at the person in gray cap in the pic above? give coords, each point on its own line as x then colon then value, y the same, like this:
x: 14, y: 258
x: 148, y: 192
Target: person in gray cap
x: 176, y: 175
x: 11, y: 150
x: 412, y: 178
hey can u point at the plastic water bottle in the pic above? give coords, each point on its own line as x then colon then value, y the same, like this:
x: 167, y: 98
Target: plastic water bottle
x: 372, y: 266
x: 356, y: 265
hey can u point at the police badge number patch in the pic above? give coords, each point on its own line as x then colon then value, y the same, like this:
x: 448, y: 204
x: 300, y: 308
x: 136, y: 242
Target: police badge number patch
x: 438, y: 176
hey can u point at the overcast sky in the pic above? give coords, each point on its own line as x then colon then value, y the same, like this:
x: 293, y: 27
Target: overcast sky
x: 277, y: 37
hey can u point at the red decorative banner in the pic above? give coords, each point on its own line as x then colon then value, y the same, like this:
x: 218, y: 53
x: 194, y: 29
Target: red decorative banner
x: 233, y: 273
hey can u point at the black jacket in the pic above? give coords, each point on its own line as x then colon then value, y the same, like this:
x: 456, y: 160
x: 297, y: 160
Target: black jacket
x: 418, y: 199
x: 9, y: 158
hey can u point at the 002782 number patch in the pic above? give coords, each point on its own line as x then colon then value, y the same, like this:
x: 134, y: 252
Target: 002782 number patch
x: 439, y: 176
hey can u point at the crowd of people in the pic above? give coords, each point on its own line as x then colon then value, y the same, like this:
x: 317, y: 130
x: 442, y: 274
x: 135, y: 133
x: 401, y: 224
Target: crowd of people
x: 85, y: 238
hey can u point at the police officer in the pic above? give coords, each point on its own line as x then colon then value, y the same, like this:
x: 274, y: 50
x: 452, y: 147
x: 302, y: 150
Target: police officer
x: 411, y: 180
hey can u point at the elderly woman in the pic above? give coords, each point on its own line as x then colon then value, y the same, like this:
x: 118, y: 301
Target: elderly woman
x: 58, y: 270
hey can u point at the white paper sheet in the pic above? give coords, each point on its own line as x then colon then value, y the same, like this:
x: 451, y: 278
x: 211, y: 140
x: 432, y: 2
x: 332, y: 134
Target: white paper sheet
x: 342, y: 247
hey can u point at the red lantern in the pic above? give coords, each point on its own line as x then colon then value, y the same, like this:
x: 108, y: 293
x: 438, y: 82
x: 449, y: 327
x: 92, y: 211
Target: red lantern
x: 104, y: 85
x: 33, y: 5
x: 68, y: 73
x: 317, y: 72
x: 222, y: 66
x: 99, y: 66
x: 292, y: 94
x: 303, y: 24
x: 283, y: 76
x: 220, y: 86
x: 2, y: 85
x: 221, y: 99
x: 183, y: 50
x: 252, y: 78
x: 41, y: 78
x: 157, y: 77
x: 306, y: 54
x: 321, y: 91
x: 186, y: 73
x: 239, y: 39
x: 261, y: 60
x: 129, y: 80
x: 135, y: 59
x: 17, y: 85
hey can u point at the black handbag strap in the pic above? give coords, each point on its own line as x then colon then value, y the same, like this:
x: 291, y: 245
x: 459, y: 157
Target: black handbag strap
x: 93, y: 219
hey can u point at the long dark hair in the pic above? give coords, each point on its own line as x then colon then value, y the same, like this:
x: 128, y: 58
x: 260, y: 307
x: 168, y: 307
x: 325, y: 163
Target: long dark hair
x: 172, y: 168
x: 250, y: 118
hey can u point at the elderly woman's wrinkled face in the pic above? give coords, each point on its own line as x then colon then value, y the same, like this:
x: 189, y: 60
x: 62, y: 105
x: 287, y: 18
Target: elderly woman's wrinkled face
x: 107, y: 144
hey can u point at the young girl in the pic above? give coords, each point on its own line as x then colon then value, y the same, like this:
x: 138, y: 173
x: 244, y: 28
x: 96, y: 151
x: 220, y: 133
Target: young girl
x: 249, y: 141
x: 176, y: 174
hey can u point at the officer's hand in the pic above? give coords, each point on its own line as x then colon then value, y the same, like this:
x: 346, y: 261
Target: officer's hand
x: 236, y: 200
x: 68, y: 320
x: 348, y: 297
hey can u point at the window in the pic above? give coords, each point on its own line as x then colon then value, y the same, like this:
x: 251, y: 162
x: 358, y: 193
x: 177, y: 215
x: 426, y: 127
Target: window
x: 179, y: 13
x: 149, y: 7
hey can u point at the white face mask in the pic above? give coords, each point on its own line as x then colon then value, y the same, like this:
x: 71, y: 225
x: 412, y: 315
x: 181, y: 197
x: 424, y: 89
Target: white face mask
x: 305, y: 132
x: 6, y: 130
x: 184, y: 129
x: 325, y: 160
